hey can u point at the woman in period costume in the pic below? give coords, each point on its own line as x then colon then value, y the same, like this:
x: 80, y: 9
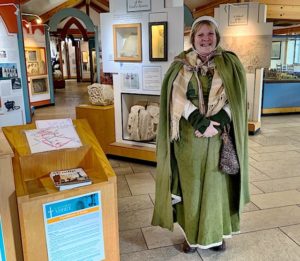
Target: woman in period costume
x: 203, y: 90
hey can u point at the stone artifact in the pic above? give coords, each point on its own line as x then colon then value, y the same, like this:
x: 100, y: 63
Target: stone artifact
x: 143, y: 121
x: 101, y: 94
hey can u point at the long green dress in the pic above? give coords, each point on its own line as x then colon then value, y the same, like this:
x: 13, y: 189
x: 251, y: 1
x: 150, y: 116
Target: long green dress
x: 208, y: 211
x: 211, y: 201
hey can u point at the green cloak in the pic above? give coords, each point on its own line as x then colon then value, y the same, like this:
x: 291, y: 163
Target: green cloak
x: 233, y: 77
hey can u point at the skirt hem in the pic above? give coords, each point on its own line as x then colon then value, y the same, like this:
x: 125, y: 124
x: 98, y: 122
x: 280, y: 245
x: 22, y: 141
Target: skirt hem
x: 212, y: 244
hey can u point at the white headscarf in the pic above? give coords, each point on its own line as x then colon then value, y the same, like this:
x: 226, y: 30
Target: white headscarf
x: 214, y: 22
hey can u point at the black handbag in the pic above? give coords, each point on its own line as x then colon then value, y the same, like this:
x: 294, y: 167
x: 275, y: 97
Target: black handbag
x: 229, y: 163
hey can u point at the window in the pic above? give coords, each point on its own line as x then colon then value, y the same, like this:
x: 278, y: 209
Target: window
x: 293, y: 51
x: 297, y: 52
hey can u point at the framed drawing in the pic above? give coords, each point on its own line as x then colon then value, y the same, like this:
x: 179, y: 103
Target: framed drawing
x: 32, y: 56
x: 39, y: 85
x: 238, y: 14
x: 35, y: 61
x: 32, y: 68
x: 276, y: 50
x: 138, y: 5
x: 127, y: 42
x: 85, y: 57
x: 158, y: 41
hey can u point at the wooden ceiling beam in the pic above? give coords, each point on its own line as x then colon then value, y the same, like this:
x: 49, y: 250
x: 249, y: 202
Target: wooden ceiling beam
x: 283, y: 12
x: 277, y: 2
x: 103, y: 2
x: 68, y: 4
x: 82, y: 4
x: 281, y: 9
x: 87, y: 7
x: 287, y: 30
x: 97, y: 8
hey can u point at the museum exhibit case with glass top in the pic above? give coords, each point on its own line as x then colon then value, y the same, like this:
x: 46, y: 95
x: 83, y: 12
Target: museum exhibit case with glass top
x: 36, y: 194
x: 281, y: 88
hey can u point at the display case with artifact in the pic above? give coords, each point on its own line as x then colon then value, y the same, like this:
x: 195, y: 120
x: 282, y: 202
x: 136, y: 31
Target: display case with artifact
x: 35, y: 61
x: 140, y: 117
x: 138, y: 65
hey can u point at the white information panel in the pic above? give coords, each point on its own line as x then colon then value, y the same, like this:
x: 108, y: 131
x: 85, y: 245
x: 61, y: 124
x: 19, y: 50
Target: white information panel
x: 74, y: 229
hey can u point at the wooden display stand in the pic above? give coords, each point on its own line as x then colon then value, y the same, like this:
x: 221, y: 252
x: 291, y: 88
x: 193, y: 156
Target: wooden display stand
x: 8, y: 203
x: 253, y: 127
x: 132, y: 151
x: 101, y: 120
x: 34, y: 187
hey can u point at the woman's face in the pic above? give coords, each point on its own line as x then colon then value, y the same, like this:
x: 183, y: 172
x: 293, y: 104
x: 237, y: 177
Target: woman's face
x: 205, y: 39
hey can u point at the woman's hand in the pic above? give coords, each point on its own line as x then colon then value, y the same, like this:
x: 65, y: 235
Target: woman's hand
x: 209, y: 132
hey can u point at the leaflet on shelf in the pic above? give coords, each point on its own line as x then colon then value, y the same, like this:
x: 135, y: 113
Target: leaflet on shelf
x: 70, y: 178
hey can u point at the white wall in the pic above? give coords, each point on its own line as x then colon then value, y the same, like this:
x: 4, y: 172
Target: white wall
x: 173, y: 15
x: 244, y: 30
x: 9, y: 46
x: 36, y: 39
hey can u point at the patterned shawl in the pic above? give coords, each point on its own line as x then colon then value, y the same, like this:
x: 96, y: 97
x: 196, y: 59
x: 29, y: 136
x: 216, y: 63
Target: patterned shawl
x: 217, y: 96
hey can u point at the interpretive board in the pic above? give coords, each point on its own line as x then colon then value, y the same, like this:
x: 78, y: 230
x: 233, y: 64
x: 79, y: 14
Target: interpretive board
x: 74, y: 229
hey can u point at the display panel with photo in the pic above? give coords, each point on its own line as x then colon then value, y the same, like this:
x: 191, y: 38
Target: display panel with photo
x: 35, y: 60
x: 158, y: 41
x: 3, y: 54
x: 127, y: 42
x: 130, y: 81
x: 16, y: 83
x: 8, y: 71
x: 39, y: 85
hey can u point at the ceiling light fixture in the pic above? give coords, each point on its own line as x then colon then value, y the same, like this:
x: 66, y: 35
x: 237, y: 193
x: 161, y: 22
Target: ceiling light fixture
x: 37, y: 18
x: 27, y: 24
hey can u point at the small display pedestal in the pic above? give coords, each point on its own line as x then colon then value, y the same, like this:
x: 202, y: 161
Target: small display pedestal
x: 34, y: 187
x: 101, y: 120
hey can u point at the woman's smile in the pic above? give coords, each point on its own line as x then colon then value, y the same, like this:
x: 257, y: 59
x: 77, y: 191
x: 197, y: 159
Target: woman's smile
x: 205, y: 39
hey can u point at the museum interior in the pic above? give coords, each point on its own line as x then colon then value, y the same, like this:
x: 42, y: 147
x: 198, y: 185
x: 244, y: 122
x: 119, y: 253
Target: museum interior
x: 80, y: 90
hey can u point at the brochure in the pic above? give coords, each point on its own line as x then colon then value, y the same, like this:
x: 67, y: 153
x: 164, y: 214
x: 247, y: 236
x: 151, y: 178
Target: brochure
x: 70, y: 178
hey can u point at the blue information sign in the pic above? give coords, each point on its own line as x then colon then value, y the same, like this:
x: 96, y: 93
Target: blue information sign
x: 74, y: 229
x: 2, y: 247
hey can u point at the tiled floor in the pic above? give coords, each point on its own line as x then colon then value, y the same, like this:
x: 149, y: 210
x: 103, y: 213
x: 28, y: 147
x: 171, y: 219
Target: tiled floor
x: 270, y: 225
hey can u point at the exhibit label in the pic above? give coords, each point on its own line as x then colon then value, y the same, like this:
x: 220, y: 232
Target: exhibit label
x: 74, y: 229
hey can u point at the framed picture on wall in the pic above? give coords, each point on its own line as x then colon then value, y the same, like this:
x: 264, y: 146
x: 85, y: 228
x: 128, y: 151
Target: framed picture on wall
x: 238, y: 14
x: 32, y: 68
x: 35, y: 60
x: 276, y: 50
x: 138, y: 5
x: 85, y: 56
x: 127, y: 42
x: 158, y: 41
x: 32, y: 56
x: 39, y: 85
